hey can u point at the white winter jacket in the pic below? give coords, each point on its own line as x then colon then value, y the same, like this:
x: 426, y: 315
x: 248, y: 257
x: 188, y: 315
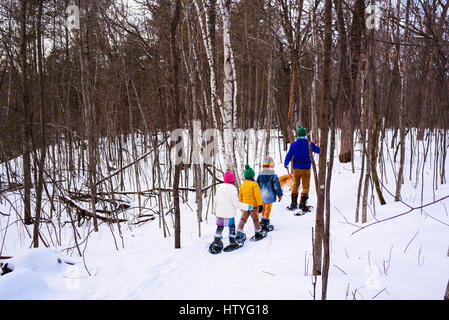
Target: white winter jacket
x: 227, y: 201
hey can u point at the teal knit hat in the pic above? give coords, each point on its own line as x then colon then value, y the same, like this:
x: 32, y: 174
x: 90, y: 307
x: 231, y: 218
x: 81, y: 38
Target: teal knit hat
x: 302, y: 132
x: 248, y: 172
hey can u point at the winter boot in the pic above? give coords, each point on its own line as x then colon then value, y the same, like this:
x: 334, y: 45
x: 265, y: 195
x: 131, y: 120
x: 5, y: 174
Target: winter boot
x: 233, y: 243
x: 217, y: 242
x: 264, y: 223
x: 260, y: 235
x: 294, y: 204
x: 216, y: 246
x: 240, y: 237
x: 303, y: 203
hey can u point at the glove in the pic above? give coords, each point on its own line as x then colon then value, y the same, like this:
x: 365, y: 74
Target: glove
x: 280, y: 198
x: 260, y: 209
x: 250, y: 207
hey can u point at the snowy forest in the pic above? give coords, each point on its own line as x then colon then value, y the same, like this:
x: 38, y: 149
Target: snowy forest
x: 120, y: 119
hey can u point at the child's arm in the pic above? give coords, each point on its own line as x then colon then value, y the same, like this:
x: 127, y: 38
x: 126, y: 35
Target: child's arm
x: 289, y: 156
x: 258, y: 195
x: 315, y: 148
x: 240, y: 205
x: 277, y: 187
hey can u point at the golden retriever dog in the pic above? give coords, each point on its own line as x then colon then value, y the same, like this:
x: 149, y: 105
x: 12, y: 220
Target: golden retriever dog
x: 286, y: 180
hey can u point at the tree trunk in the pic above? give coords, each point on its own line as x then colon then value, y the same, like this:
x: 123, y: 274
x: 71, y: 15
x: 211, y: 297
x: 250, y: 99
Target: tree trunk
x: 26, y: 117
x: 346, y: 127
x: 375, y: 122
x: 228, y: 90
x: 177, y: 113
x: 208, y: 41
x: 446, y: 295
x: 313, y: 95
x: 402, y: 67
x: 89, y: 115
x: 324, y: 129
x: 43, y: 146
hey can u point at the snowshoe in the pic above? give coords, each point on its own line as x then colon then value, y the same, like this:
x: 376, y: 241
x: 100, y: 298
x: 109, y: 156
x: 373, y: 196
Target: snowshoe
x: 259, y: 236
x: 215, y: 249
x: 303, y: 211
x: 292, y: 207
x: 241, y: 237
x: 234, y: 244
x: 265, y: 224
x: 216, y: 246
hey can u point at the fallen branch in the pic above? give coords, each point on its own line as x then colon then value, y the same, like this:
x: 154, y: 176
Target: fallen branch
x: 379, y: 293
x: 85, y: 213
x: 401, y: 214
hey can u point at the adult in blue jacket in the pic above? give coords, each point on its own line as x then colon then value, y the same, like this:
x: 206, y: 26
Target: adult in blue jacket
x: 299, y: 153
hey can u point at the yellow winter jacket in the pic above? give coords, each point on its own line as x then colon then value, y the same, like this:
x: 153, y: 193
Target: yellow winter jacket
x: 249, y: 193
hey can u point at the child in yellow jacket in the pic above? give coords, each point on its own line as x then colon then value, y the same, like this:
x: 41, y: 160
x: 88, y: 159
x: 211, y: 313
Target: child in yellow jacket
x: 249, y: 193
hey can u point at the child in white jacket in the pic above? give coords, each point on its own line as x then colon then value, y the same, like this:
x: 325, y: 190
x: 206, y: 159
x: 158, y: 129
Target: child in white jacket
x: 226, y: 204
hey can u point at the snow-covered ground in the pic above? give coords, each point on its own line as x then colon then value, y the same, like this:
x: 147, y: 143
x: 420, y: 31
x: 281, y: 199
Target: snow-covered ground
x: 402, y: 258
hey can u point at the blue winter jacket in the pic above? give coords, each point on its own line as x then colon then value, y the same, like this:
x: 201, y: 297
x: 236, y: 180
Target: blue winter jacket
x: 299, y: 150
x: 269, y: 185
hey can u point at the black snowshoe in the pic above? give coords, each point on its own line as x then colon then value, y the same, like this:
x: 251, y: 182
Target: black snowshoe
x: 216, y: 246
x: 303, y: 211
x: 303, y: 205
x: 266, y: 226
x: 240, y: 237
x: 234, y: 244
x: 259, y: 236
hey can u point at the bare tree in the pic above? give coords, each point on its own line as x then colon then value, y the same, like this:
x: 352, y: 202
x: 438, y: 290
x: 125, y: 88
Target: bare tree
x: 324, y: 129
x: 177, y: 112
x: 43, y: 152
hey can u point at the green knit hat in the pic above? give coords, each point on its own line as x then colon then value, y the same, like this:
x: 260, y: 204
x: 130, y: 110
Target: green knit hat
x: 302, y: 132
x: 248, y: 172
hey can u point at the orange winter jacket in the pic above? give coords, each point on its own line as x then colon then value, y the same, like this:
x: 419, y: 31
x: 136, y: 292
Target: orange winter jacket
x: 249, y: 193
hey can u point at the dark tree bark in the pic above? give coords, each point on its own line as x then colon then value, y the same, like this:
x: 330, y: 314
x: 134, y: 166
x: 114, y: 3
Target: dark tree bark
x: 177, y: 113
x: 27, y: 116
x: 346, y: 144
x: 324, y: 129
x: 446, y: 295
x: 375, y: 120
x: 43, y: 146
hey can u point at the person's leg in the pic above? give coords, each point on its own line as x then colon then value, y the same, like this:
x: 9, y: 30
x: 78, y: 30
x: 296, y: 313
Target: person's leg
x: 243, y: 219
x: 232, y: 235
x: 295, y: 189
x: 267, y: 210
x: 265, y: 221
x: 305, y: 175
x: 218, y: 233
x: 255, y: 216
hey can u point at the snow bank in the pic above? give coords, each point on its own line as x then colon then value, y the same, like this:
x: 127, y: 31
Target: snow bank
x: 23, y: 284
x: 33, y: 274
x: 41, y: 260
